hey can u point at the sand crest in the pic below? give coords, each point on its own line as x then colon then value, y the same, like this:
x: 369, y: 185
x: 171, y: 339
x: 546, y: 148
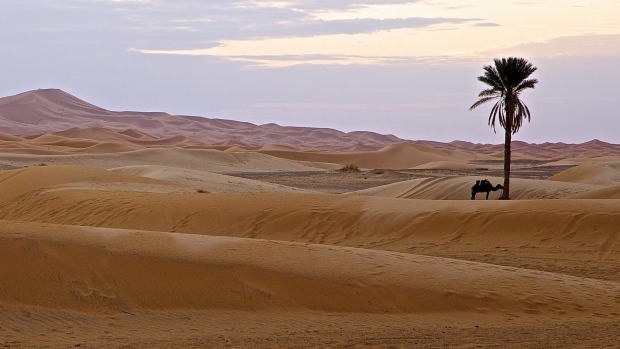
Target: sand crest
x: 459, y: 188
x: 93, y: 269
x: 602, y: 173
x: 205, y: 181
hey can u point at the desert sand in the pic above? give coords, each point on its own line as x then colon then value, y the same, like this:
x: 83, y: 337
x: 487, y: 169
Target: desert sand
x: 116, y: 237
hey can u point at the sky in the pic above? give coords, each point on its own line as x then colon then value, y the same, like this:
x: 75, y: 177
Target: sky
x: 407, y: 68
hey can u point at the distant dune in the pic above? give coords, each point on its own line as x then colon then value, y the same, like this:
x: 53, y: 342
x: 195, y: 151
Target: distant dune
x: 36, y: 114
x: 395, y: 156
x: 194, y: 159
x: 523, y: 150
x: 52, y: 111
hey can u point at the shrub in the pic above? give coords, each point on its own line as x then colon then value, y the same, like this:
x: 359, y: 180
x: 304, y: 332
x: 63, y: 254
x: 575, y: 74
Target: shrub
x: 350, y: 168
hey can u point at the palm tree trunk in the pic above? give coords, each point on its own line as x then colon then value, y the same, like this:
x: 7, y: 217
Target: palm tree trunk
x: 507, y: 153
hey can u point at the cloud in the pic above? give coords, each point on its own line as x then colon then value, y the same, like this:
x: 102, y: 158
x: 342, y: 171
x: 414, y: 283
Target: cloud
x: 254, y: 20
x: 192, y: 27
x: 292, y: 60
x: 486, y: 24
x: 567, y: 46
x: 321, y: 5
x: 256, y: 27
x: 360, y: 26
x: 166, y: 25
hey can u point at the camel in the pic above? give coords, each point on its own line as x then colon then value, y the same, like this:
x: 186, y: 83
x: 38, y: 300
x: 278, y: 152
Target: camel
x: 482, y: 186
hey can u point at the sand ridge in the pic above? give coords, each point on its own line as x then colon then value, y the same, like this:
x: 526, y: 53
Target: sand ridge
x: 394, y: 156
x: 595, y: 172
x: 78, y: 197
x: 459, y: 188
x: 92, y: 246
x: 122, y: 270
x: 48, y: 111
x: 209, y: 160
x: 202, y: 180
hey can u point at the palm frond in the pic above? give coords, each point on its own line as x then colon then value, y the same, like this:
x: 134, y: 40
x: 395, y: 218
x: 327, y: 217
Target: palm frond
x: 506, y: 79
x: 491, y: 81
x: 490, y: 93
x: 481, y: 101
x: 496, y: 112
x: 530, y: 83
x: 521, y: 113
x: 491, y: 77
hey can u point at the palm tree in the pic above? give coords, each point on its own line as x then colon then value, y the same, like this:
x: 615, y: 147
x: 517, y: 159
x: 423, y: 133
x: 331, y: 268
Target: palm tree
x: 506, y: 80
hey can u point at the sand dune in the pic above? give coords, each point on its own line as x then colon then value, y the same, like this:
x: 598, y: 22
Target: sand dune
x: 319, y: 218
x: 523, y: 150
x: 395, y: 156
x: 36, y: 111
x: 10, y: 138
x: 198, y: 159
x: 108, y: 147
x: 101, y: 140
x: 30, y: 150
x: 75, y: 266
x: 84, y: 145
x: 99, y: 134
x: 418, y: 155
x: 22, y: 183
x: 50, y: 110
x: 459, y: 188
x: 131, y: 270
x: 98, y: 198
x: 206, y: 181
x: 448, y: 165
x: 602, y: 173
x: 133, y: 138
x: 136, y: 255
x: 37, y: 188
x: 137, y: 134
x: 611, y: 192
x: 276, y: 147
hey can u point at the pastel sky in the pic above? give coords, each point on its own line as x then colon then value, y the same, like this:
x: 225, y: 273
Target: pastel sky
x: 407, y: 68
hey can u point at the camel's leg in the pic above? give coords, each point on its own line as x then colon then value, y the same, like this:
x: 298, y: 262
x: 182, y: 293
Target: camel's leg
x: 488, y: 192
x: 473, y: 195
